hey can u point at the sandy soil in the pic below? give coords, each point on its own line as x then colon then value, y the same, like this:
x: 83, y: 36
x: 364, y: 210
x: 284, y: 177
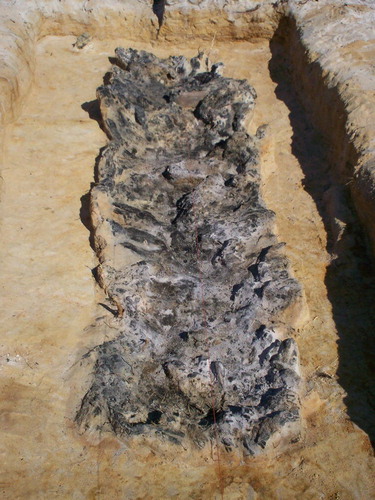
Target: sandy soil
x: 50, y: 300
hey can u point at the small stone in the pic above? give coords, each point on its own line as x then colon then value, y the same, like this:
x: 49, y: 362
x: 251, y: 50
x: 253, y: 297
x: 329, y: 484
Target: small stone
x: 82, y: 41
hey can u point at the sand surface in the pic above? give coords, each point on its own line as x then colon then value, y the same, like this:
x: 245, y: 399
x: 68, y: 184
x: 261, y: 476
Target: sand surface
x: 50, y: 299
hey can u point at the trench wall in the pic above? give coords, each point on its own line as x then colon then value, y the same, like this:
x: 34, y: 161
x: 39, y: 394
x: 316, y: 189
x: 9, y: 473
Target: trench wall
x: 334, y: 106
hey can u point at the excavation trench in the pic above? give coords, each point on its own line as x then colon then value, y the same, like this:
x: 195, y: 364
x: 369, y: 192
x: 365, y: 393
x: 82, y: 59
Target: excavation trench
x: 304, y: 177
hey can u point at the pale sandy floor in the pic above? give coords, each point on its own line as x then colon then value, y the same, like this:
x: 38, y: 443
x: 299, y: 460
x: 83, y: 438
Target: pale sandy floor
x: 49, y: 299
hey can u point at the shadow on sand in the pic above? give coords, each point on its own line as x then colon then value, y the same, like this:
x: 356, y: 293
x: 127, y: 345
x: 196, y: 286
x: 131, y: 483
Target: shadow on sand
x: 349, y: 277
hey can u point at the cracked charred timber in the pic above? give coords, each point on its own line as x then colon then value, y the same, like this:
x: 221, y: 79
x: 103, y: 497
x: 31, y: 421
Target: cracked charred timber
x: 188, y: 254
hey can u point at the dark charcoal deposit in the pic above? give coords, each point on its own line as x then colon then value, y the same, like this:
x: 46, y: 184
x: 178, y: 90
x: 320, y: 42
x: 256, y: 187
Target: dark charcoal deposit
x: 188, y: 256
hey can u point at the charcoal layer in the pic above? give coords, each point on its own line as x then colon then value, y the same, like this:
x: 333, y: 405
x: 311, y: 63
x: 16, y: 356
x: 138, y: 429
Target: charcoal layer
x: 188, y: 256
